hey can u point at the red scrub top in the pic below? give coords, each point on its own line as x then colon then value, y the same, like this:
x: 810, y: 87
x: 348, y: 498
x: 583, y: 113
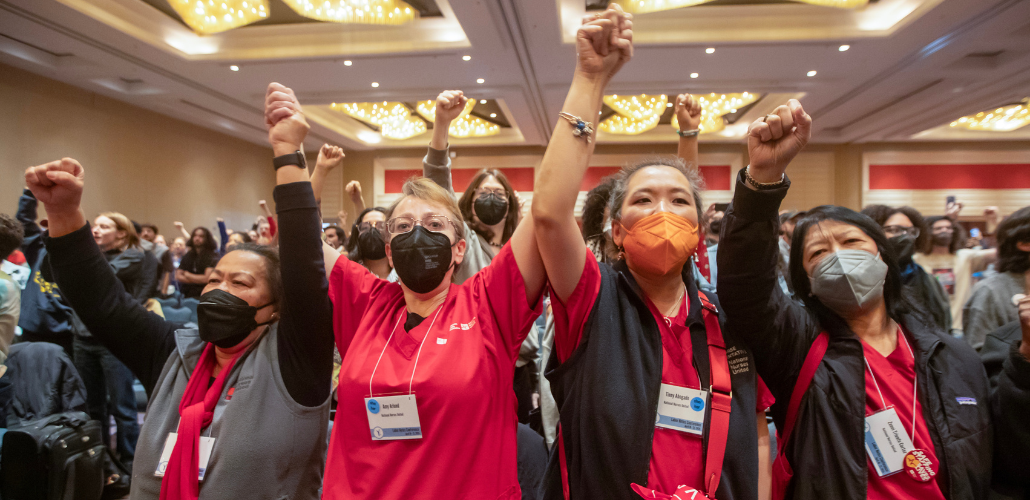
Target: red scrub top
x: 896, y: 374
x: 462, y: 384
x: 677, y: 458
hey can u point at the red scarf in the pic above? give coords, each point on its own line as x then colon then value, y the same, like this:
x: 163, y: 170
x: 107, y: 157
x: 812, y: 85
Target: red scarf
x: 196, y: 409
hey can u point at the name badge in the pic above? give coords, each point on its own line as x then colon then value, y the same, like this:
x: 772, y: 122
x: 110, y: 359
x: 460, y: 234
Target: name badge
x: 682, y: 409
x: 206, y: 445
x: 393, y: 417
x: 886, y: 442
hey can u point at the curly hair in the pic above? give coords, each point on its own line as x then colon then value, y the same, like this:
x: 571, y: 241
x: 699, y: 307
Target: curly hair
x: 11, y: 235
x: 1014, y: 230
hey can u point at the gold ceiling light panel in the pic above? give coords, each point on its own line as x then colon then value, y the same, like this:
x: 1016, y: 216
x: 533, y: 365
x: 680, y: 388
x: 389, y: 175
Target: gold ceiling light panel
x: 428, y: 109
x: 634, y: 114
x: 206, y: 17
x: 355, y: 11
x: 403, y: 128
x: 624, y: 125
x: 394, y: 119
x: 714, y: 106
x: 472, y: 126
x: 645, y: 6
x: 1003, y: 119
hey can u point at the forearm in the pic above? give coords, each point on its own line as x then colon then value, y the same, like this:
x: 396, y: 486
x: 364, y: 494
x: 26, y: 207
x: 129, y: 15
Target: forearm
x: 190, y: 278
x: 358, y: 202
x: 436, y: 166
x: 223, y: 234
x: 318, y: 182
x: 687, y: 151
x: 27, y: 213
x: 440, y: 131
x: 184, y: 233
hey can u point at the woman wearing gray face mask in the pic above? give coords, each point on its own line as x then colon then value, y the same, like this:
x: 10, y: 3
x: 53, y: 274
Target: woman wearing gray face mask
x: 882, y: 403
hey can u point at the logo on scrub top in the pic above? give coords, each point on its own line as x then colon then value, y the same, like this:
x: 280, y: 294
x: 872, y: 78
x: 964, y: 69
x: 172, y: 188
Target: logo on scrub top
x: 697, y: 404
x: 373, y: 406
x: 463, y: 326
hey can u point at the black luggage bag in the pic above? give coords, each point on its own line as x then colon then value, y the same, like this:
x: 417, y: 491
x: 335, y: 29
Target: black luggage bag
x: 54, y: 458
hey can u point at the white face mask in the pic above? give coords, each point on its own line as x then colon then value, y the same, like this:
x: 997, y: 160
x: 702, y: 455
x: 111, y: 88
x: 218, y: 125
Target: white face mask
x: 847, y: 281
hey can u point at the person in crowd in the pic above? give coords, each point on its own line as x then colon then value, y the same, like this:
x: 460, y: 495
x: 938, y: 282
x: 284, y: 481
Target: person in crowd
x: 990, y: 303
x: 854, y: 350
x: 952, y: 265
x: 329, y: 157
x: 258, y: 364
x: 11, y: 235
x: 195, y: 267
x: 236, y: 239
x: 45, y: 315
x: 267, y: 227
x: 353, y: 189
x: 635, y: 339
x: 107, y: 380
x: 159, y: 240
x: 148, y: 232
x: 335, y: 237
x: 367, y: 245
x: 427, y: 364
x: 597, y: 223
x: 906, y: 232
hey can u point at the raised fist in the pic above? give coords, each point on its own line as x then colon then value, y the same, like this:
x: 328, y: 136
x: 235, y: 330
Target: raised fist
x: 604, y: 43
x: 952, y: 209
x: 449, y: 105
x: 284, y: 118
x: 353, y: 189
x: 329, y: 157
x: 178, y: 224
x: 688, y: 112
x: 775, y: 139
x: 58, y: 185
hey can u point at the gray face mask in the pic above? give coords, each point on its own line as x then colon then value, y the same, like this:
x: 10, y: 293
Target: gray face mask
x: 847, y: 281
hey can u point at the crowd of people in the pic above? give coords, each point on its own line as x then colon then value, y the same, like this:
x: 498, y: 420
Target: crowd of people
x: 472, y: 346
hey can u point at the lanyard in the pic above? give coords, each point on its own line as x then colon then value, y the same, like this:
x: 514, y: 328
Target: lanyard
x: 668, y: 322
x: 412, y: 380
x: 915, y: 385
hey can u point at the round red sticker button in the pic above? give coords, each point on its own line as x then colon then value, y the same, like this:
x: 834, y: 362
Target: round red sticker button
x: 920, y: 465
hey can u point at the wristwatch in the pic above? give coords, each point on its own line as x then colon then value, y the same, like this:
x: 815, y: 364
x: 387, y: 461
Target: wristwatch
x: 295, y: 158
x: 688, y: 133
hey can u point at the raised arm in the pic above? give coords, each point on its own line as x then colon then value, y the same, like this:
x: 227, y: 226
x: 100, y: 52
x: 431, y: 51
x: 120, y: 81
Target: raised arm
x: 183, y: 231
x: 603, y: 46
x: 688, y: 115
x: 26, y: 214
x: 140, y: 339
x: 436, y: 166
x: 223, y: 236
x: 329, y: 157
x: 305, y: 330
x: 778, y: 330
x: 353, y: 189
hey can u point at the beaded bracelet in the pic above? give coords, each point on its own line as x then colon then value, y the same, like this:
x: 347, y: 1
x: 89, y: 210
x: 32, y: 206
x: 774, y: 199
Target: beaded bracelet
x: 580, y: 128
x: 689, y: 133
x: 763, y: 185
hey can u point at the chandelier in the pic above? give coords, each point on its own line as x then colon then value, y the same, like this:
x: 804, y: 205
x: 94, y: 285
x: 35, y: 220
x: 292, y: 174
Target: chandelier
x: 355, y: 11
x: 465, y: 125
x: 715, y: 106
x: 634, y: 114
x: 206, y: 17
x: 1003, y: 119
x: 396, y: 121
x: 646, y: 6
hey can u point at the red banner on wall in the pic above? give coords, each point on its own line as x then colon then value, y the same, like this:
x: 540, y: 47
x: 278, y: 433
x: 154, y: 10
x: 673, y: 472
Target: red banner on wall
x: 960, y: 176
x: 717, y: 177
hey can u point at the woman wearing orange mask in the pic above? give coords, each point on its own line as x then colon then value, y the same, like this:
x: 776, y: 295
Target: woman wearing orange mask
x: 647, y: 385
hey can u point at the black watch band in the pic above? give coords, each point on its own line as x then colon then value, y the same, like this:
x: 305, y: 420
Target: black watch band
x: 295, y: 158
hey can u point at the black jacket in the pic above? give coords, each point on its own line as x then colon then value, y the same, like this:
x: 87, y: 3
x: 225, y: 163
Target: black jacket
x: 607, y: 395
x: 827, y: 450
x: 43, y: 308
x: 925, y: 294
x: 44, y: 382
x: 1008, y: 372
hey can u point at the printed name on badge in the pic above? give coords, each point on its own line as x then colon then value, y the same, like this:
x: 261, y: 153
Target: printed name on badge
x: 886, y: 442
x: 682, y: 409
x: 206, y: 445
x: 393, y: 417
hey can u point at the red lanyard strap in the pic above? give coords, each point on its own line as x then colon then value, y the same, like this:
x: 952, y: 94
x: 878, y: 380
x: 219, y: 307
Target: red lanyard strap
x: 812, y: 360
x: 721, y: 390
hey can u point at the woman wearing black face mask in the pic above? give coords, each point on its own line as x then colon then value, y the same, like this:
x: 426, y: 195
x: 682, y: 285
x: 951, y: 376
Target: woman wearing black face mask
x: 906, y: 232
x: 366, y: 245
x: 880, y: 403
x: 251, y: 385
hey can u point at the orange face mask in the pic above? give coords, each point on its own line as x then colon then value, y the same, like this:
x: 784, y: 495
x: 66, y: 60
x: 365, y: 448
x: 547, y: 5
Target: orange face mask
x: 660, y: 243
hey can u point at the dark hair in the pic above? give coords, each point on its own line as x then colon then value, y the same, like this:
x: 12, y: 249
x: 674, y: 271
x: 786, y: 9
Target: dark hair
x: 594, y: 205
x: 338, y: 230
x: 151, y: 226
x: 208, y: 246
x: 468, y: 199
x: 882, y: 213
x: 243, y: 234
x: 893, y: 298
x: 879, y: 213
x: 1013, y: 230
x: 353, y: 252
x: 622, y: 178
x: 957, y: 233
x: 272, y: 269
x: 11, y: 235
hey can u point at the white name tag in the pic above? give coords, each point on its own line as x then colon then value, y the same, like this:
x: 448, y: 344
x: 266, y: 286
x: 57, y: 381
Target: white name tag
x: 206, y: 445
x: 393, y: 417
x: 682, y: 409
x: 886, y: 442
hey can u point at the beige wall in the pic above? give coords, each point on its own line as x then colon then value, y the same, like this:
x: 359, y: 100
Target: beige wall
x: 150, y: 167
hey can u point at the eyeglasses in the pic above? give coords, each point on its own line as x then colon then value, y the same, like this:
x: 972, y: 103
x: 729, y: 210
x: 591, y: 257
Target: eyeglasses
x: 499, y: 192
x: 434, y: 223
x: 364, y: 227
x: 893, y: 231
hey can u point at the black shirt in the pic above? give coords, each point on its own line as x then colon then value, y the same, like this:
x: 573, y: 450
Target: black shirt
x: 196, y: 263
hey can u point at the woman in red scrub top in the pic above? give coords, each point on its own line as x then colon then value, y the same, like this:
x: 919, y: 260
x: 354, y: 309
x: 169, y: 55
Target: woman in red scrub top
x: 426, y: 407
x: 652, y: 395
x: 888, y: 406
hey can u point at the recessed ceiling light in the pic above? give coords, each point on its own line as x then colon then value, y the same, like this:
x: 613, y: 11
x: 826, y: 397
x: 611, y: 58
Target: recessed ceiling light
x: 710, y: 50
x: 466, y: 58
x: 668, y: 104
x: 811, y: 73
x: 480, y: 80
x: 234, y: 68
x: 375, y: 84
x: 843, y: 48
x: 694, y: 75
x: 493, y: 115
x: 348, y: 62
x: 370, y: 137
x: 482, y: 101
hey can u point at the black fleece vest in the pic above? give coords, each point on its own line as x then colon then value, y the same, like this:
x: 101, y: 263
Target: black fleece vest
x: 607, y: 395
